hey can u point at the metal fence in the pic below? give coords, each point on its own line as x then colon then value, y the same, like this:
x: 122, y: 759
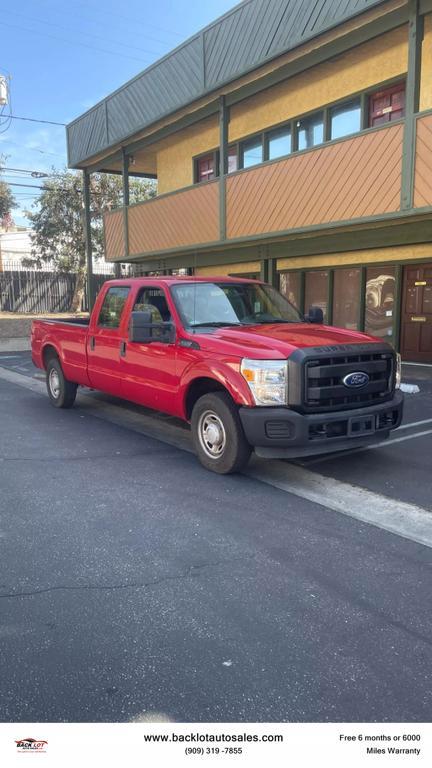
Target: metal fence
x: 36, y: 291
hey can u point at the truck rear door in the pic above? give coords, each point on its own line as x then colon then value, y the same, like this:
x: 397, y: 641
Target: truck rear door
x: 105, y: 340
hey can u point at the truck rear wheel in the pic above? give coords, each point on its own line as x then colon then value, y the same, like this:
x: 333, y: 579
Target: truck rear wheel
x: 218, y: 435
x: 61, y: 392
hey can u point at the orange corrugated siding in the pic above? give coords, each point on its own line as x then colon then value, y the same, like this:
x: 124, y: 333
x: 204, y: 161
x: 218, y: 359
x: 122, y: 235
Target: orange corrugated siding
x: 423, y: 164
x: 354, y: 178
x: 186, y: 218
x: 114, y: 236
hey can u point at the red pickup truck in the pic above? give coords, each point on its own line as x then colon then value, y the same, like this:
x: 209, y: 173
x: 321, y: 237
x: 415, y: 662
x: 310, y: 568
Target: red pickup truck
x: 235, y: 359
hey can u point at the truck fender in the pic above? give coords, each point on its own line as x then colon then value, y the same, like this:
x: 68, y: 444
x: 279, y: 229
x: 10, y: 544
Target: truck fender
x: 225, y: 374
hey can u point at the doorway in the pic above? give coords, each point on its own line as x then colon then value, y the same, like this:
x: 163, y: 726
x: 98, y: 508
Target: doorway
x: 416, y: 318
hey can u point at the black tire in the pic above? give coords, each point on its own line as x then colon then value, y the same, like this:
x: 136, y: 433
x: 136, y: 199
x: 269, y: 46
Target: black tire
x: 216, y: 415
x: 61, y: 392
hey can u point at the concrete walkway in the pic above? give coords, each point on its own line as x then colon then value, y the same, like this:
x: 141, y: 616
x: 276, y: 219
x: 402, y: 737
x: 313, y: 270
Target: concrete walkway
x: 15, y: 329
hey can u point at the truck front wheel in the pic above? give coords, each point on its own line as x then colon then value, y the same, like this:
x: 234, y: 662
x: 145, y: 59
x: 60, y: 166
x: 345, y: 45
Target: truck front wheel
x: 218, y: 435
x: 61, y: 392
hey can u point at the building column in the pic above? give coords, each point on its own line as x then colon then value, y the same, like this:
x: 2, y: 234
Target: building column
x: 88, y: 240
x: 223, y: 164
x: 412, y: 95
x: 126, y: 199
x: 268, y: 270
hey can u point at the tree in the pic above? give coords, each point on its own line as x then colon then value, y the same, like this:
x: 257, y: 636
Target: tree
x: 7, y: 200
x: 58, y: 221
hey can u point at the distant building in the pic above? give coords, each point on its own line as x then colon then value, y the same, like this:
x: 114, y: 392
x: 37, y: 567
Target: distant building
x: 15, y: 246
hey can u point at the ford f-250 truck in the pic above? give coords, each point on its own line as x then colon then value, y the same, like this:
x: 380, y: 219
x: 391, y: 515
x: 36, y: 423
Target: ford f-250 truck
x: 235, y: 359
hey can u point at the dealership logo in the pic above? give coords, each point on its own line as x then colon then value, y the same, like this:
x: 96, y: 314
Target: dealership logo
x: 356, y: 379
x: 31, y: 745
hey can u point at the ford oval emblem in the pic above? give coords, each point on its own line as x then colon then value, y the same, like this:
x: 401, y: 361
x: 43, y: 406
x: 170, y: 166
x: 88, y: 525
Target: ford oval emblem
x: 356, y: 379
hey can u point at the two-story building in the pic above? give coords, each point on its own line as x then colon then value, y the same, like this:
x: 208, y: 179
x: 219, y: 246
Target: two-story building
x: 291, y: 140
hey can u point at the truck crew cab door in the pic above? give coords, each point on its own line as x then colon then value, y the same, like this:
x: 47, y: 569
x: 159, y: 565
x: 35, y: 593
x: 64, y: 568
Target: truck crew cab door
x: 104, y: 339
x: 149, y: 370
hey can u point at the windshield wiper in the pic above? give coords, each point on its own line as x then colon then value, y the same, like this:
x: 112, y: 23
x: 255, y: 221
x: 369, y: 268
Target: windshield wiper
x: 212, y: 325
x: 269, y: 322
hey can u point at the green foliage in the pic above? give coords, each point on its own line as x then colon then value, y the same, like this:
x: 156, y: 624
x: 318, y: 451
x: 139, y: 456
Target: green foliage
x: 58, y: 216
x: 7, y: 200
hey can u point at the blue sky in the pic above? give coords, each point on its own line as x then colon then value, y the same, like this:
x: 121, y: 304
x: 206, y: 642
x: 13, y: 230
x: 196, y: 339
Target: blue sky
x: 65, y: 55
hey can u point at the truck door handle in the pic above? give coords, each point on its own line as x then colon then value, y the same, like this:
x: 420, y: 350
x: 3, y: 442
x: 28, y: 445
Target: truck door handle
x: 122, y: 349
x: 92, y: 342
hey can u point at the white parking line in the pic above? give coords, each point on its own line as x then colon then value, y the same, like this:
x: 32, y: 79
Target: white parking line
x: 382, y: 444
x: 414, y: 424
x: 406, y: 520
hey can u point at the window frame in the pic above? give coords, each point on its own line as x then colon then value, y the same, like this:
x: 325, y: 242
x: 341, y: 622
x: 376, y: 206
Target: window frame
x: 364, y: 96
x: 249, y: 139
x: 385, y: 91
x: 214, y: 153
x: 127, y: 288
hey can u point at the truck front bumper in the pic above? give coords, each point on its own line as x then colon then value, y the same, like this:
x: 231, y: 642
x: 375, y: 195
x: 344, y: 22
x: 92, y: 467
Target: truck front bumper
x: 281, y: 433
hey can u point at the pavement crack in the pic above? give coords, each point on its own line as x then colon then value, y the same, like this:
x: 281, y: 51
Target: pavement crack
x: 192, y: 571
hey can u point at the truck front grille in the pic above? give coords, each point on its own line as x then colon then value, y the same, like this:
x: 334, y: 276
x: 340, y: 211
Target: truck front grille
x: 324, y: 389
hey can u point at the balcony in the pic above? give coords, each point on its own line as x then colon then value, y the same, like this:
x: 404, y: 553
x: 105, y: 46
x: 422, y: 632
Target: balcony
x: 355, y: 178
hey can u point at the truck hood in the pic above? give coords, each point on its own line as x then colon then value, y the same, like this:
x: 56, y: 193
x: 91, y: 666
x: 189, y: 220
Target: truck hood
x: 277, y: 340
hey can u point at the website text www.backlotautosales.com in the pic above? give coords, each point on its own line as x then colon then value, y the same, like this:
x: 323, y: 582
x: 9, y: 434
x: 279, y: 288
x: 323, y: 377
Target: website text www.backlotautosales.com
x: 214, y: 738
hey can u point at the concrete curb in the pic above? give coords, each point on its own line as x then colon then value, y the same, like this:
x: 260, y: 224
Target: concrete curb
x: 15, y: 345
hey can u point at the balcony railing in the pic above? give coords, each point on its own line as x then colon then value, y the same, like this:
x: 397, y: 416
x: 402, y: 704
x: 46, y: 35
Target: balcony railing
x: 423, y: 163
x: 347, y: 180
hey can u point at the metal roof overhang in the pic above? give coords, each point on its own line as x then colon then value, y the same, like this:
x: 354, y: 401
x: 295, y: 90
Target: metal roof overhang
x: 247, y: 37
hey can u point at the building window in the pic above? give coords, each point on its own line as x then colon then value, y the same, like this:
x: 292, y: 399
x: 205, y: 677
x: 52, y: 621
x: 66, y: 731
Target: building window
x: 206, y: 167
x: 232, y: 159
x: 252, y: 152
x: 345, y: 119
x: 279, y: 143
x: 346, y: 298
x: 290, y: 287
x: 310, y: 131
x: 379, y: 301
x: 387, y: 106
x: 316, y: 291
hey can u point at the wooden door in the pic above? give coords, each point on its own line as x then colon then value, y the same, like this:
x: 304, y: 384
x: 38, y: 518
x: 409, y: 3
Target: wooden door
x: 416, y: 321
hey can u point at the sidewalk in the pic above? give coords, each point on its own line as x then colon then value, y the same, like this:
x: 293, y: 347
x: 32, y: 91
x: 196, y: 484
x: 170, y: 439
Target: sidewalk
x: 15, y: 329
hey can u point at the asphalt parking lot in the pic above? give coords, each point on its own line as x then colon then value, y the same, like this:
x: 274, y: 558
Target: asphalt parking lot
x: 134, y: 585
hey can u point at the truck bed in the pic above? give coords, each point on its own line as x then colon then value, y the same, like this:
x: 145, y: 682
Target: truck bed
x: 69, y: 340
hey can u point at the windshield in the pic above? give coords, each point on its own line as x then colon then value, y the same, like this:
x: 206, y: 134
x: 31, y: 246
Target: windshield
x: 220, y: 304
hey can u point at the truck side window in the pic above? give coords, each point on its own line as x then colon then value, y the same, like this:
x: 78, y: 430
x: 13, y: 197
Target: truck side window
x: 112, y: 307
x: 154, y: 300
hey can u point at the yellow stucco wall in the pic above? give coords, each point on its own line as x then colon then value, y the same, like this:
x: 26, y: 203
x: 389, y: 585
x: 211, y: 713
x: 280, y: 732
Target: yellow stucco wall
x: 370, y: 256
x: 229, y: 269
x: 426, y: 66
x: 174, y: 155
x: 376, y: 61
x: 363, y: 67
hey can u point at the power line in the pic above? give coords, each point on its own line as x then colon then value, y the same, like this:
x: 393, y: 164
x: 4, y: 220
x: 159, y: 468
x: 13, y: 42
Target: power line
x: 131, y: 20
x: 33, y: 120
x: 72, y: 42
x: 24, y: 170
x: 30, y: 149
x: 89, y: 34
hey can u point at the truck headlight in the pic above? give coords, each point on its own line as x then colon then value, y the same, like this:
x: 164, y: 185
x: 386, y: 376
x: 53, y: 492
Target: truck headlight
x: 398, y: 370
x: 267, y: 380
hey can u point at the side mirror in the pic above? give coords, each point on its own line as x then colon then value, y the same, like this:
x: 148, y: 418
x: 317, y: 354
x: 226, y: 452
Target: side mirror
x: 315, y: 316
x: 143, y: 331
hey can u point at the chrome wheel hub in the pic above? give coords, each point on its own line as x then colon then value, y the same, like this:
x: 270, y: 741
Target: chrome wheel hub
x: 211, y: 433
x: 54, y: 383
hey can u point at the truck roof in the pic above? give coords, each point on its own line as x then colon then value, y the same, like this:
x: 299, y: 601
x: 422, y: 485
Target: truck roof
x: 173, y: 279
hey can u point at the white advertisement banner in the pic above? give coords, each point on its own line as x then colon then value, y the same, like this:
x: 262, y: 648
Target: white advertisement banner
x: 275, y: 744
